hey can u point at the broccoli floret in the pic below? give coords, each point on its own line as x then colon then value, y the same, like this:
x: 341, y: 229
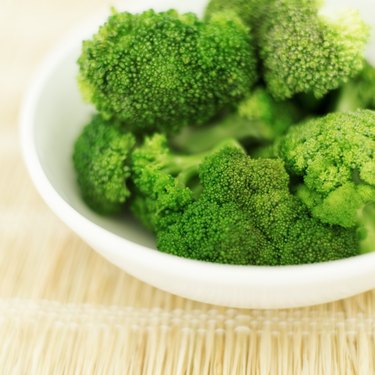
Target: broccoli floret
x: 301, y: 51
x: 160, y: 182
x: 164, y: 181
x: 258, y: 117
x: 101, y: 159
x: 335, y: 157
x: 310, y: 242
x: 246, y: 215
x: 161, y: 71
x: 213, y: 232
x: 304, y: 52
x: 359, y: 93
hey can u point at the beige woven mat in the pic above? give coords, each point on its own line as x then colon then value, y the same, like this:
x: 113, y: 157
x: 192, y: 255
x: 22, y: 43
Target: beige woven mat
x: 56, y: 294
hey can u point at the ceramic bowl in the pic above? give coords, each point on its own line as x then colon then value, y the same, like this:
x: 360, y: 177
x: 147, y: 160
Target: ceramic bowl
x: 53, y: 114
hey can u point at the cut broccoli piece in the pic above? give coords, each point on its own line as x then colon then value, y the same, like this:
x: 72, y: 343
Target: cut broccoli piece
x: 246, y: 215
x: 218, y: 233
x: 305, y: 52
x: 335, y: 157
x: 101, y: 159
x: 161, y: 71
x: 164, y: 181
x: 301, y: 50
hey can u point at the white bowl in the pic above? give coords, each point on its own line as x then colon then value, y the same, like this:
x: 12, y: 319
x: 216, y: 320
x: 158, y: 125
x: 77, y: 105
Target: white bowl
x: 51, y: 118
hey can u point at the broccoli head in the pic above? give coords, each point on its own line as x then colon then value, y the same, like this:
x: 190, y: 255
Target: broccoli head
x: 335, y: 157
x: 215, y: 232
x: 301, y: 50
x: 101, y: 159
x: 304, y: 52
x: 246, y: 215
x: 258, y: 118
x: 161, y: 71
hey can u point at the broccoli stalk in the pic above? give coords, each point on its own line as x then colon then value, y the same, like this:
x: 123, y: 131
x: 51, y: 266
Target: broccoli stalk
x: 367, y: 231
x: 162, y: 71
x: 193, y: 140
x: 359, y: 93
x: 258, y: 118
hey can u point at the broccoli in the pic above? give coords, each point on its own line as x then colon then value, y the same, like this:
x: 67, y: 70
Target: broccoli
x: 195, y: 131
x: 359, y: 93
x: 258, y: 117
x: 160, y: 181
x: 335, y: 157
x: 101, y: 159
x: 219, y: 233
x: 304, y: 52
x: 162, y: 71
x: 301, y: 51
x: 164, y: 181
x: 246, y: 215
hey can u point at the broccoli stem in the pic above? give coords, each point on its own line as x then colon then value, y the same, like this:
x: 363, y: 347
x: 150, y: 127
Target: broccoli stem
x: 183, y: 166
x: 186, y: 167
x: 193, y: 140
x: 367, y: 229
x: 348, y: 99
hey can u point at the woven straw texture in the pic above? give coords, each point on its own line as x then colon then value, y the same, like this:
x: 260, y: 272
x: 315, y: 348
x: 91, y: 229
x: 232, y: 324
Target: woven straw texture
x: 66, y: 310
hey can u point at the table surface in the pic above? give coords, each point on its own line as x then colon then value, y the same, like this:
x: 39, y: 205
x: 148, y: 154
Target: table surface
x: 68, y: 310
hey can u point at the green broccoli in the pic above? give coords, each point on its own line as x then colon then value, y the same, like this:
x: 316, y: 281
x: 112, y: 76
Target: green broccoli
x: 246, y: 215
x: 161, y: 71
x: 304, y: 52
x: 164, y: 181
x: 301, y: 51
x: 258, y: 117
x: 101, y: 159
x: 178, y: 112
x: 359, y: 93
x: 335, y: 157
x: 219, y: 233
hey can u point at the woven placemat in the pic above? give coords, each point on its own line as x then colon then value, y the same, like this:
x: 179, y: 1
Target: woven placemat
x: 43, y: 337
x: 66, y: 310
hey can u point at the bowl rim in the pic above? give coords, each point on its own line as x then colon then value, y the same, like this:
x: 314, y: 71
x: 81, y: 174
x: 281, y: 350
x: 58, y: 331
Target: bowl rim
x: 318, y: 273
